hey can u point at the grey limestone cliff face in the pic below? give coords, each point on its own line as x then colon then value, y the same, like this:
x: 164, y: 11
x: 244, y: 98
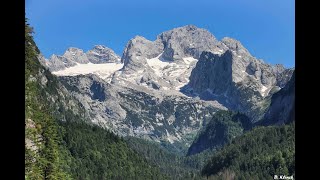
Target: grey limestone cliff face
x: 76, y: 55
x: 57, y: 63
x: 128, y: 111
x: 283, y: 75
x: 99, y: 54
x: 187, y: 41
x: 170, y: 47
x: 215, y: 73
x: 236, y: 79
x: 282, y: 107
x: 136, y: 69
x: 136, y: 52
x: 102, y: 54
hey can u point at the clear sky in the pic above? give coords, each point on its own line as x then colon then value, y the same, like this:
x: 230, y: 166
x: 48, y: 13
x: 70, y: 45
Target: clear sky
x: 264, y: 27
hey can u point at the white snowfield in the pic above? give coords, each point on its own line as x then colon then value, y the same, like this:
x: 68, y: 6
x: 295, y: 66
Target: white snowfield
x: 264, y: 91
x: 102, y: 70
x: 157, y: 65
x: 173, y: 71
x: 161, y: 66
x: 189, y: 60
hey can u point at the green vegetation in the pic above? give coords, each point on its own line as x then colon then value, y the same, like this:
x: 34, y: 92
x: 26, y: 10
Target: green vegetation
x: 171, y: 164
x: 43, y: 156
x: 221, y: 129
x: 95, y: 153
x: 258, y: 154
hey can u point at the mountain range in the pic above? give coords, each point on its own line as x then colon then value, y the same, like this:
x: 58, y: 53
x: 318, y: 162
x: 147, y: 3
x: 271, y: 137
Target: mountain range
x: 167, y: 89
x: 184, y: 106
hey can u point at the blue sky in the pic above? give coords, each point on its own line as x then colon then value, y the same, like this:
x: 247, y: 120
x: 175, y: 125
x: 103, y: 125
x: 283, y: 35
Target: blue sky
x: 264, y: 27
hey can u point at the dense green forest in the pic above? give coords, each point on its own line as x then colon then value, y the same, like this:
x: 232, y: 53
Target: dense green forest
x: 72, y: 148
x: 98, y: 154
x: 221, y: 129
x: 173, y: 165
x: 258, y: 154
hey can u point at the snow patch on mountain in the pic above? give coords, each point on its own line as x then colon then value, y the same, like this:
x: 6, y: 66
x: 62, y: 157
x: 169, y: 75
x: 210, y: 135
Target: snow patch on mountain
x: 173, y: 72
x: 264, y: 91
x: 158, y: 65
x: 104, y: 71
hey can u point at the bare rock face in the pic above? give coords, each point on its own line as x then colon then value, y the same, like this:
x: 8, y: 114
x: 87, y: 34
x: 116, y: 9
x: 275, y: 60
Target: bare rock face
x: 57, y: 63
x: 76, y: 55
x: 73, y: 56
x: 145, y: 114
x: 236, y: 79
x: 283, y: 75
x: 282, y: 107
x: 215, y: 73
x: 167, y: 62
x: 187, y: 41
x: 234, y: 45
x: 102, y: 54
x: 136, y: 52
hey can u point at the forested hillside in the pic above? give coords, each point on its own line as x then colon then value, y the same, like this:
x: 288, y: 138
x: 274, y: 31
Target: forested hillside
x: 221, y: 129
x: 172, y: 164
x: 258, y: 154
x: 43, y: 152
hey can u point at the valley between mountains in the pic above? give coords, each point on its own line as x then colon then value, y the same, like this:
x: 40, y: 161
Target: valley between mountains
x: 184, y: 106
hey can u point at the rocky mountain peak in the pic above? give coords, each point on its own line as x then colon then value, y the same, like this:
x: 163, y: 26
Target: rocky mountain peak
x: 102, y: 54
x: 73, y: 56
x: 96, y: 47
x: 74, y: 50
x: 171, y: 46
x: 190, y: 27
x: 278, y: 68
x: 77, y: 55
x: 54, y: 56
x: 137, y: 50
x: 186, y: 41
x: 234, y: 45
x: 236, y: 79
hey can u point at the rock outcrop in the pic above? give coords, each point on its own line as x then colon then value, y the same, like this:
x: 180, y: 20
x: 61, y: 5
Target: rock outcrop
x: 73, y: 56
x: 236, y: 79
